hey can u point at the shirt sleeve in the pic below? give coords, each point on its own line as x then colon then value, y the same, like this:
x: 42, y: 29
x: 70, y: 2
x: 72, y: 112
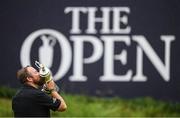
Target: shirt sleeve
x: 47, y: 101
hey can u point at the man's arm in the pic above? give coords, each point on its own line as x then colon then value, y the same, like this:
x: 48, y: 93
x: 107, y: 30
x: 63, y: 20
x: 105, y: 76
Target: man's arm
x: 51, y: 85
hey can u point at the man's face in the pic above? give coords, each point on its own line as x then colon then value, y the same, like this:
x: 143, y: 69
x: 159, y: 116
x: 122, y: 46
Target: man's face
x: 34, y: 74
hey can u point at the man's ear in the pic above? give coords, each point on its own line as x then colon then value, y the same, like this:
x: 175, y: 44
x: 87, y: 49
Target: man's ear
x: 29, y: 79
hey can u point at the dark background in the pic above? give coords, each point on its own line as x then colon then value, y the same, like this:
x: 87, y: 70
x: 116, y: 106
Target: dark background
x: 150, y: 18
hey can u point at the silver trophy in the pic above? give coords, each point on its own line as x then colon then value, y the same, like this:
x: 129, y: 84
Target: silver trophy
x: 45, y: 74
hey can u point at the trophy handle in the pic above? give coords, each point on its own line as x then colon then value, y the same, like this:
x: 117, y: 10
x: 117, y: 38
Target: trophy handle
x: 53, y: 41
x: 37, y: 64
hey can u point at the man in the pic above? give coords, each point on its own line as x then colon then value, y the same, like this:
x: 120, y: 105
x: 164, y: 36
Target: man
x: 30, y: 101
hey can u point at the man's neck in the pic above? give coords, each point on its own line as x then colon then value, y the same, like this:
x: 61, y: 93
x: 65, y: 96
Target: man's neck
x: 33, y: 85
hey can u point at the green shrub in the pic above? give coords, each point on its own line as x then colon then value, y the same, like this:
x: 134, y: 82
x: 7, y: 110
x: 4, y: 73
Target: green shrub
x: 7, y: 92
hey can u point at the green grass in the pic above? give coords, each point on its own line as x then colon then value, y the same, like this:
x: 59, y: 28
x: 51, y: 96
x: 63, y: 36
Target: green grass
x: 5, y: 107
x: 140, y: 107
x: 82, y: 106
x: 79, y: 105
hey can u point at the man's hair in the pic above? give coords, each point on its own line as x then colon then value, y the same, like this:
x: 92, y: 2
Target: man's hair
x: 22, y: 74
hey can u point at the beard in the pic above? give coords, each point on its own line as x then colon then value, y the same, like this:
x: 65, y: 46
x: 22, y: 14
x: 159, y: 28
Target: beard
x: 40, y: 82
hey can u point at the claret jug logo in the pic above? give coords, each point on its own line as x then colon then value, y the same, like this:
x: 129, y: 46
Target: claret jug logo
x: 114, y: 29
x: 49, y: 38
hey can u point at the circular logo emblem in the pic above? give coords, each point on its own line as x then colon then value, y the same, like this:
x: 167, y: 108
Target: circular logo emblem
x: 49, y: 38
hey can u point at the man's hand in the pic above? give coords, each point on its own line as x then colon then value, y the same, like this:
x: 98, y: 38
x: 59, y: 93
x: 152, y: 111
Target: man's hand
x: 51, y: 85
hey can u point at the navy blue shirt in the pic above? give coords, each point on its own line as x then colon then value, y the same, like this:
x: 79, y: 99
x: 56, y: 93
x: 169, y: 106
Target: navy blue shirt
x: 32, y: 102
